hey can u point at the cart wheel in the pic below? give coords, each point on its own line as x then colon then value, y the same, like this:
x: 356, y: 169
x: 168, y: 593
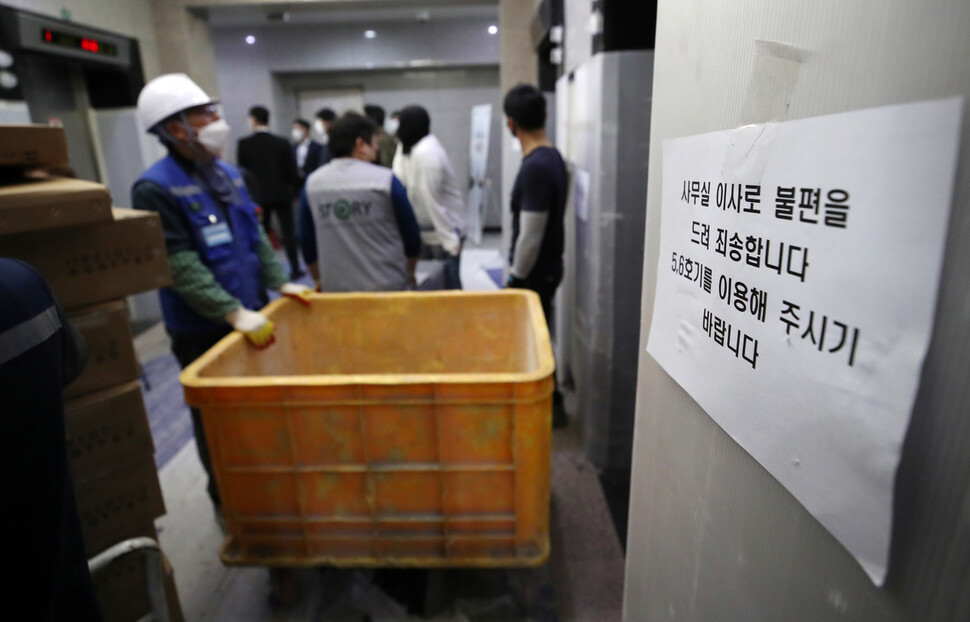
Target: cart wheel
x: 284, y: 589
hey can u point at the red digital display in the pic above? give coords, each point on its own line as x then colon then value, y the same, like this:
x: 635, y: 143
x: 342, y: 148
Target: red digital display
x: 78, y: 43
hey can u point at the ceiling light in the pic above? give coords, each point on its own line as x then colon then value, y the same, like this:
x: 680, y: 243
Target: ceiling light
x: 370, y: 34
x: 493, y: 29
x: 250, y: 39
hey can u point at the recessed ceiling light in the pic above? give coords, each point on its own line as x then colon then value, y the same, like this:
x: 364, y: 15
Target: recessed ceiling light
x: 370, y: 34
x: 250, y: 39
x: 493, y: 29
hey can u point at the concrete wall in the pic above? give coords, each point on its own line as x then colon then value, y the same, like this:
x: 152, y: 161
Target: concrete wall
x: 132, y: 18
x: 520, y: 63
x: 185, y: 42
x: 712, y: 535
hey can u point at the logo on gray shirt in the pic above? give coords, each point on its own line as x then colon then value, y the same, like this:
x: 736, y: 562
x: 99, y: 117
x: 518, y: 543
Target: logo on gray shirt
x: 344, y: 209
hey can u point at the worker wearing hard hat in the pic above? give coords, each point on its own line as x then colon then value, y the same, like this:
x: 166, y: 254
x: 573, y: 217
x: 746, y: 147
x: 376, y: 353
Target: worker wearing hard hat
x: 220, y: 257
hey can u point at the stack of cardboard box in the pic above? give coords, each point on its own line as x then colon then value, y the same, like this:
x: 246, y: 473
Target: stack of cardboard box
x: 93, y: 256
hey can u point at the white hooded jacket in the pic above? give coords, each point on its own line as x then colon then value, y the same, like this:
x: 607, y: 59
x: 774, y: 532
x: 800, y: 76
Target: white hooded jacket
x: 438, y: 204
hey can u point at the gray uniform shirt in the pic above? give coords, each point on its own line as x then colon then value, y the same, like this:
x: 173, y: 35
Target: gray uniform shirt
x: 358, y: 239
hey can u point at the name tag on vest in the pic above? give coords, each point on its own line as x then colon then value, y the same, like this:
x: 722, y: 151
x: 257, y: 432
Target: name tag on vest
x: 217, y: 234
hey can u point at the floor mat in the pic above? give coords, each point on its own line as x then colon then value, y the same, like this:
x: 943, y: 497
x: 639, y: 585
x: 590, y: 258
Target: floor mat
x: 168, y: 416
x: 496, y: 275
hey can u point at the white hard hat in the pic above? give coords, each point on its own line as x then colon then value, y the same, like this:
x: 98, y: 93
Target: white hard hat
x: 167, y: 95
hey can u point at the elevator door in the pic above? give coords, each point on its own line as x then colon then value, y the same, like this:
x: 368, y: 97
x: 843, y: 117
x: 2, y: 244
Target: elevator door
x: 339, y: 100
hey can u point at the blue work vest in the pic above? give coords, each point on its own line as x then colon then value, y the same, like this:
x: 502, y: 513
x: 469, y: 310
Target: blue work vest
x: 228, y: 251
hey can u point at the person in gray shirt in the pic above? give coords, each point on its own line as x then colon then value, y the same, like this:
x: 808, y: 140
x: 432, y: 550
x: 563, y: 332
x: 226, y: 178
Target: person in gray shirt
x: 358, y: 231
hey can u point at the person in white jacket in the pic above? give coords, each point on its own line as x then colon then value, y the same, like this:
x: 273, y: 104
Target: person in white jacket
x: 422, y: 165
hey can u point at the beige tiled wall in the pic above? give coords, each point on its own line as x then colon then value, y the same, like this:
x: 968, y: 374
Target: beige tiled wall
x: 519, y: 63
x: 185, y: 43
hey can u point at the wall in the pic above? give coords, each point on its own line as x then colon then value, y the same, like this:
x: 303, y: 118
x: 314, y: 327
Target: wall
x: 520, y: 63
x: 132, y: 18
x: 712, y: 535
x: 185, y: 42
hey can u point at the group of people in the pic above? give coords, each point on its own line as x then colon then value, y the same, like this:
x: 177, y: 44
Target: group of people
x: 362, y: 225
x: 406, y: 184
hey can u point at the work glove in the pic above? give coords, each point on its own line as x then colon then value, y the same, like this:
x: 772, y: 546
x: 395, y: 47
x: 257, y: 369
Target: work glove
x: 296, y: 291
x: 255, y: 326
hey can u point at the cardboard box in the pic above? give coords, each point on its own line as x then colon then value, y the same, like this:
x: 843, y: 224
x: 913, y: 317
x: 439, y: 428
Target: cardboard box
x: 33, y: 146
x: 117, y: 505
x: 54, y: 202
x: 105, y: 429
x: 97, y: 263
x: 111, y: 352
x: 122, y: 590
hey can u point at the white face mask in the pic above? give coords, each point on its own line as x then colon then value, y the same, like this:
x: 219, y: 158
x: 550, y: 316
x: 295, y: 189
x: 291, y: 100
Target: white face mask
x: 213, y: 136
x: 321, y: 131
x: 391, y: 126
x: 297, y: 135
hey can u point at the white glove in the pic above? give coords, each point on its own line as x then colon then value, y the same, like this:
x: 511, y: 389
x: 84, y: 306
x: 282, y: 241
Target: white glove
x: 255, y: 326
x: 298, y: 292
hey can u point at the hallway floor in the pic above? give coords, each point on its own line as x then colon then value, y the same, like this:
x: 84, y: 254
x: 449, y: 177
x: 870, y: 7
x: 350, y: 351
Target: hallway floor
x: 583, y: 580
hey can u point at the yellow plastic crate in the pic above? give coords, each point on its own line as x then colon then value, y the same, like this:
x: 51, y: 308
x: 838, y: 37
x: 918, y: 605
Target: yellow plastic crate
x: 404, y: 429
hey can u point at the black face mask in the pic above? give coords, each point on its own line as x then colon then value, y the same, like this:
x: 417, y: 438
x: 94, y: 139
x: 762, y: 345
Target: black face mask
x: 415, y: 124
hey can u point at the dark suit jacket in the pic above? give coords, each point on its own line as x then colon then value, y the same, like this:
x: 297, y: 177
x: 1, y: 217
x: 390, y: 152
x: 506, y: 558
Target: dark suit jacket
x: 271, y: 161
x: 314, y: 158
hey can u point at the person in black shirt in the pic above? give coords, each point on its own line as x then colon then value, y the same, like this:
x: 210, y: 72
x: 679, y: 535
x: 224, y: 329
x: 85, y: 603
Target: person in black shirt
x: 307, y: 151
x: 538, y: 205
x: 538, y: 199
x: 272, y: 161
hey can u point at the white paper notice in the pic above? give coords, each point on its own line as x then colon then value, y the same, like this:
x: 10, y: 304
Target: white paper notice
x: 799, y: 265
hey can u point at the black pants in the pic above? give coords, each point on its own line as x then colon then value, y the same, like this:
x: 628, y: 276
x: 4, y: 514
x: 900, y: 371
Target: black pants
x: 546, y: 287
x: 452, y: 263
x: 186, y: 349
x: 284, y: 218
